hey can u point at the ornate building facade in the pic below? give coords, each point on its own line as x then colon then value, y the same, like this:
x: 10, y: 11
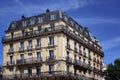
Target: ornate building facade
x: 51, y: 46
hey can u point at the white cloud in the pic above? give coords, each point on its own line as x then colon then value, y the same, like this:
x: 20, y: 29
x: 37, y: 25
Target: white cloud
x: 98, y: 20
x: 30, y: 8
x: 111, y: 43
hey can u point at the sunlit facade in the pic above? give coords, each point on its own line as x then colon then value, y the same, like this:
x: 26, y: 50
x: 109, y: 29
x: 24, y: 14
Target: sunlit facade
x: 51, y: 46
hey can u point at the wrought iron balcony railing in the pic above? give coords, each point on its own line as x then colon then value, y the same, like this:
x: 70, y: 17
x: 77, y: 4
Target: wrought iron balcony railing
x: 29, y: 60
x: 21, y: 49
x: 43, y: 75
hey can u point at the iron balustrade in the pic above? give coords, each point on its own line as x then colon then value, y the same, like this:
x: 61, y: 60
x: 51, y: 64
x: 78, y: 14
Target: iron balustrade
x: 50, y: 58
x: 21, y: 48
x: 29, y: 60
x: 46, y: 74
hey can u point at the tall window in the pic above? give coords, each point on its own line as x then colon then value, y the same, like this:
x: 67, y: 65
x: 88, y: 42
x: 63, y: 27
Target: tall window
x: 29, y: 71
x: 11, y: 48
x: 24, y: 23
x: 38, y: 70
x: 68, y: 69
x: 38, y: 42
x: 52, y: 26
x: 38, y: 56
x: 29, y: 57
x: 32, y: 22
x: 40, y: 19
x: 22, y: 45
x: 39, y: 28
x: 23, y: 33
x: 52, y: 17
x: 11, y: 59
x: 30, y: 44
x: 51, y: 40
x: 51, y: 52
x: 12, y: 35
x: 21, y: 72
x: 22, y: 58
x: 51, y: 69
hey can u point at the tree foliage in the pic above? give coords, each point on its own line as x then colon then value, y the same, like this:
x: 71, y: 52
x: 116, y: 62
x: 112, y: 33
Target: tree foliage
x: 113, y: 71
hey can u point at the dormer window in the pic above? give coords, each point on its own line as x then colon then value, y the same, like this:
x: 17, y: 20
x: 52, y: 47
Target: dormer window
x: 24, y: 23
x: 65, y: 18
x: 52, y: 17
x: 32, y: 22
x: 40, y: 19
x: 13, y: 25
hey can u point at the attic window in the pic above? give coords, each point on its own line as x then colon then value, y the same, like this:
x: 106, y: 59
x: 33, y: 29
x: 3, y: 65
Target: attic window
x: 52, y: 17
x: 24, y: 23
x: 40, y: 19
x: 13, y: 25
x: 32, y: 22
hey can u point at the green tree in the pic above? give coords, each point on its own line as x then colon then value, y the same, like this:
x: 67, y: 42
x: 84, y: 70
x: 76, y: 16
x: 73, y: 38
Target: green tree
x: 113, y: 71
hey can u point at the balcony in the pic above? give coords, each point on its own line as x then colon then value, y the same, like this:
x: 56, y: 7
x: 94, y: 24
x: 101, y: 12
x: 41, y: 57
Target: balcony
x: 50, y: 59
x: 34, y: 60
x: 10, y: 63
x: 75, y: 49
x: 29, y: 47
x: 80, y: 52
x: 21, y: 49
x: 57, y: 29
x: 68, y: 46
x: 38, y: 46
x: 69, y: 60
x: 50, y: 45
x: 43, y: 75
x: 11, y: 50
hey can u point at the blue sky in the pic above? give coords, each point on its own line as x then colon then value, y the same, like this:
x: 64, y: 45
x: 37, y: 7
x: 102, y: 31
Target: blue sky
x: 102, y: 17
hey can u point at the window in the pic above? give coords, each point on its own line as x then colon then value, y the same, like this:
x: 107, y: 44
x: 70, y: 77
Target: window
x: 51, y: 69
x: 38, y: 56
x: 68, y: 69
x: 32, y: 22
x: 30, y: 44
x: 30, y: 57
x: 51, y: 40
x: 11, y: 59
x: 52, y: 26
x: 65, y: 18
x: 29, y: 71
x: 13, y: 25
x: 39, y: 28
x: 11, y: 48
x: 52, y: 17
x: 21, y: 72
x: 40, y: 19
x: 68, y: 41
x: 11, y: 73
x: 23, y: 33
x: 12, y: 35
x: 51, y: 53
x: 38, y: 70
x: 24, y: 23
x: 22, y: 58
x: 22, y: 44
x: 38, y: 42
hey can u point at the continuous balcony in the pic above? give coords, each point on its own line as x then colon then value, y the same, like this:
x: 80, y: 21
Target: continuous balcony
x: 56, y: 29
x: 10, y: 63
x: 10, y: 51
x: 51, y: 59
x: 27, y: 61
x: 21, y: 49
x: 38, y: 46
x: 57, y: 75
x: 80, y: 64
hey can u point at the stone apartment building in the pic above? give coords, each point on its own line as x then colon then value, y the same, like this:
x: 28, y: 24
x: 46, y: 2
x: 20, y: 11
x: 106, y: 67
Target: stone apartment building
x: 51, y: 46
